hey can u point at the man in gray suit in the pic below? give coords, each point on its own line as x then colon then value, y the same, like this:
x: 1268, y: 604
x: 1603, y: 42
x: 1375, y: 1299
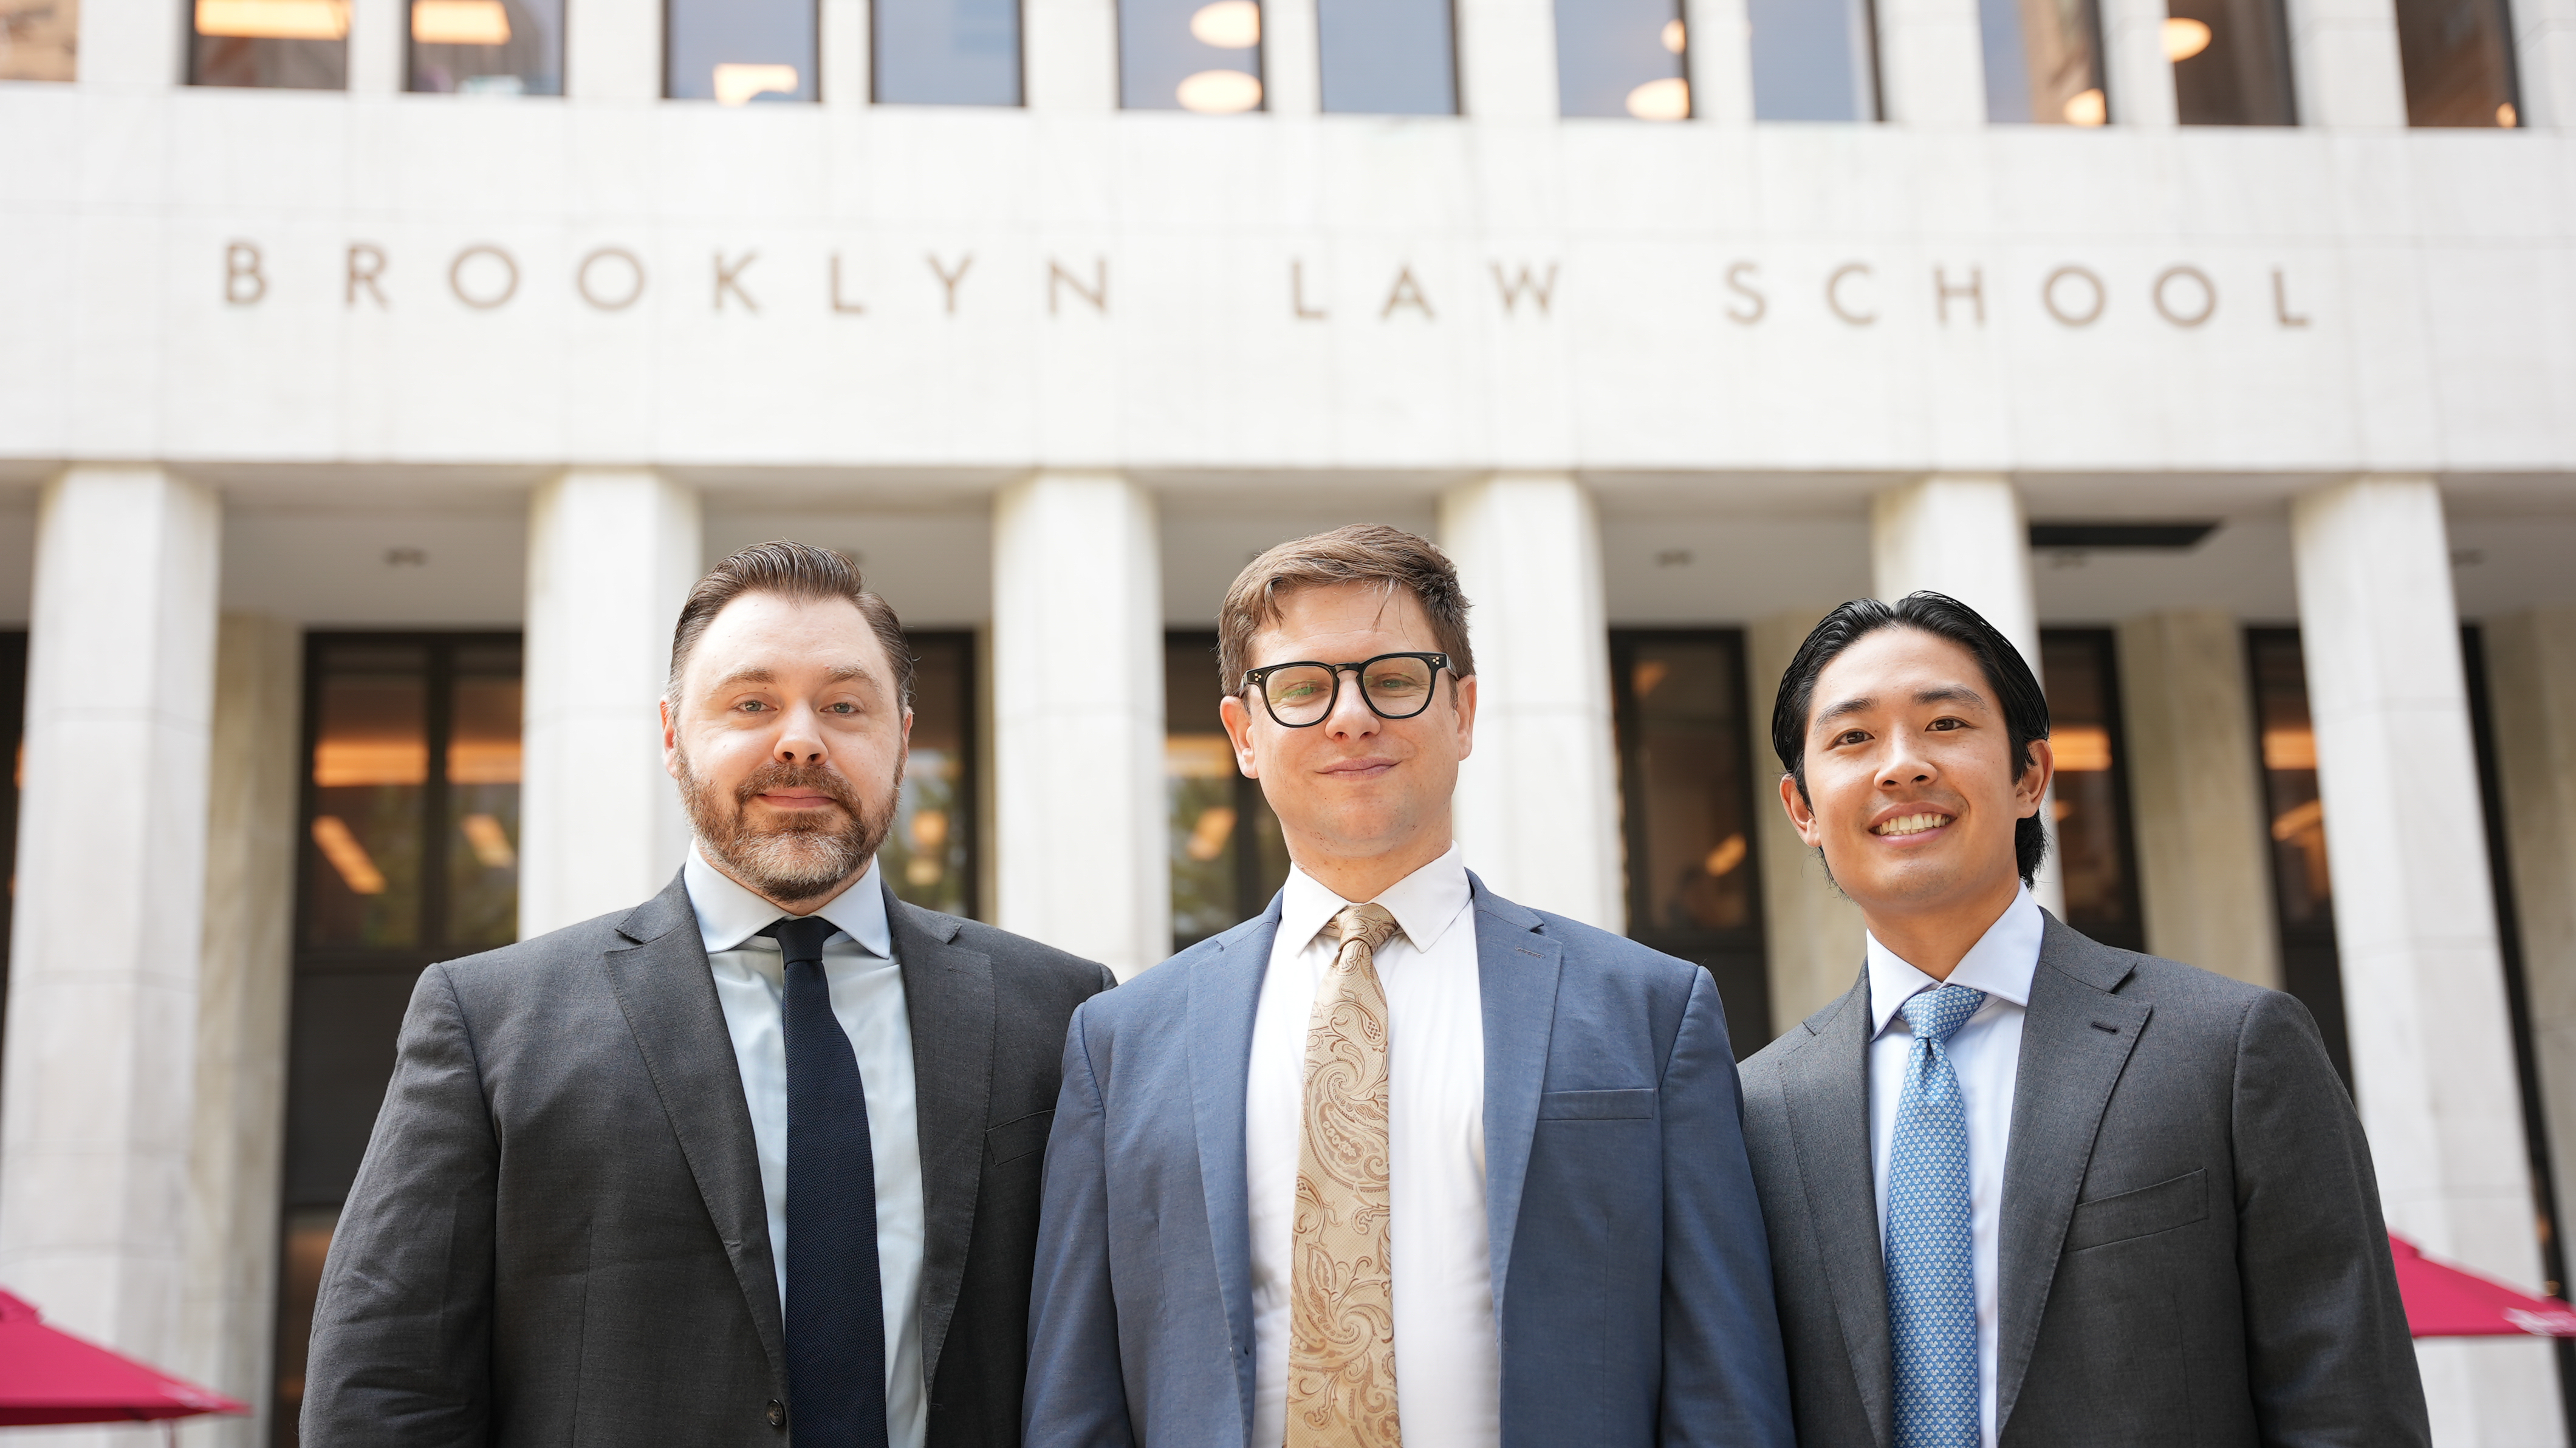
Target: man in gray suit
x: 1399, y: 1161
x: 2022, y: 1188
x: 758, y: 1156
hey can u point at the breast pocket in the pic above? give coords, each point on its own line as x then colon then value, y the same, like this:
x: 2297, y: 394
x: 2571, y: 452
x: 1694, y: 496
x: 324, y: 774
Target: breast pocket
x: 1019, y: 1137
x: 1626, y: 1105
x: 2144, y: 1212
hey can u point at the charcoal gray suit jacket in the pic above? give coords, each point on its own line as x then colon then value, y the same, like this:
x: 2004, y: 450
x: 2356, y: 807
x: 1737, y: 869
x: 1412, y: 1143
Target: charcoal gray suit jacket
x: 558, y: 1235
x: 2191, y: 1251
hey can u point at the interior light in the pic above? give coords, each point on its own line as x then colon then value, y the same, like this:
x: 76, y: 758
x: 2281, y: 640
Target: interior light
x: 1219, y: 92
x: 1650, y: 676
x: 1722, y: 861
x: 923, y: 871
x: 344, y: 761
x: 2298, y: 819
x: 2087, y: 108
x: 1209, y: 837
x: 274, y: 19
x: 341, y: 848
x: 1676, y: 38
x: 2290, y: 748
x: 1661, y: 100
x: 473, y: 760
x: 1227, y: 24
x: 490, y: 842
x: 737, y: 83
x: 1197, y: 756
x: 2505, y: 116
x: 2185, y: 38
x: 459, y: 22
x: 2081, y: 748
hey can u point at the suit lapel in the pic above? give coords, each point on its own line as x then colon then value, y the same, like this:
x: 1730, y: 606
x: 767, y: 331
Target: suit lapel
x: 2076, y: 1038
x: 1516, y: 975
x: 1826, y: 1082
x: 668, y: 995
x: 948, y: 998
x: 1224, y: 996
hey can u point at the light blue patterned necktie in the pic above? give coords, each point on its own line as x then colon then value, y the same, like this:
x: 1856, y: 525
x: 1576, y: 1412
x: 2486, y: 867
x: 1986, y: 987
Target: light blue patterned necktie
x: 1931, y: 1276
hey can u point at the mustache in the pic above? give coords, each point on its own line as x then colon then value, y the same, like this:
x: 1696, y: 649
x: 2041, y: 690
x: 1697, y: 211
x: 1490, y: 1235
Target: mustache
x: 777, y: 774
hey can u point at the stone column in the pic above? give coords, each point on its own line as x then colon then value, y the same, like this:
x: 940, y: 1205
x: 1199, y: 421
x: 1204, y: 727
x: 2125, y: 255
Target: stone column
x: 2195, y: 794
x: 1069, y: 55
x: 97, y: 1109
x: 1932, y: 62
x: 228, y: 1309
x: 1963, y: 535
x: 378, y: 46
x: 2545, y: 55
x: 1538, y: 801
x: 1292, y: 75
x: 1720, y: 53
x: 131, y: 45
x: 1813, y: 932
x: 613, y: 50
x: 2139, y: 77
x: 843, y: 54
x: 1507, y: 59
x: 611, y: 554
x: 1082, y: 856
x: 2343, y: 58
x: 2432, y: 1046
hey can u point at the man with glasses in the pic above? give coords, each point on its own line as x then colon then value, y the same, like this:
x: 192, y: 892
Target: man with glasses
x: 1400, y: 1161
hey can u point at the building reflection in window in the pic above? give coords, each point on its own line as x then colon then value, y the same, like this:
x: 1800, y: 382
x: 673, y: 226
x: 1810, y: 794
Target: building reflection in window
x: 273, y: 44
x: 1813, y: 60
x: 1189, y: 55
x: 2231, y: 62
x: 2458, y: 59
x: 487, y: 47
x: 2302, y: 881
x: 1686, y: 785
x: 2096, y: 854
x: 2043, y: 61
x: 39, y: 39
x: 930, y: 857
x: 1388, y: 57
x: 1228, y: 855
x: 737, y: 52
x: 1621, y: 58
x: 947, y: 52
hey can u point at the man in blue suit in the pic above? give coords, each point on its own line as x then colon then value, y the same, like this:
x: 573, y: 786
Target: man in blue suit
x: 1400, y: 1162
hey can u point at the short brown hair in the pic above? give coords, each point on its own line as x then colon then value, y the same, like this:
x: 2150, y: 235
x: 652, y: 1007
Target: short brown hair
x: 800, y: 573
x: 1359, y: 553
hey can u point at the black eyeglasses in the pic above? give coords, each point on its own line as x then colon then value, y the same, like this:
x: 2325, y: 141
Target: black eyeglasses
x: 1303, y: 694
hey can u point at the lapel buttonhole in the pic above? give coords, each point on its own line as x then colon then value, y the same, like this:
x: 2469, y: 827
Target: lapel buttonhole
x: 2106, y: 1026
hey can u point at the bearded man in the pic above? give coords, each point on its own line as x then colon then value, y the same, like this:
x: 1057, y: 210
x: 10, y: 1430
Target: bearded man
x: 758, y: 1157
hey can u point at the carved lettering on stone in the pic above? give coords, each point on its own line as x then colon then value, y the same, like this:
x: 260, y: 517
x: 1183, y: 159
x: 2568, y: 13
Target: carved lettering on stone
x: 2083, y: 316
x: 729, y: 279
x: 1943, y: 293
x: 2281, y: 312
x: 244, y: 283
x: 485, y: 297
x: 845, y: 308
x: 1739, y: 280
x: 1297, y: 295
x: 2208, y: 299
x: 1097, y: 293
x: 1834, y: 293
x: 586, y: 281
x: 1513, y: 288
x: 1406, y: 293
x: 366, y: 273
x: 949, y: 279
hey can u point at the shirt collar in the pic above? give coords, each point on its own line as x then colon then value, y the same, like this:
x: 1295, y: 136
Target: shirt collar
x: 729, y: 915
x: 2001, y: 963
x: 1425, y: 903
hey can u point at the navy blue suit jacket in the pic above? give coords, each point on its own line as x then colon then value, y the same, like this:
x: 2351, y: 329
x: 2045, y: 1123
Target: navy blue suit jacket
x: 1632, y: 1278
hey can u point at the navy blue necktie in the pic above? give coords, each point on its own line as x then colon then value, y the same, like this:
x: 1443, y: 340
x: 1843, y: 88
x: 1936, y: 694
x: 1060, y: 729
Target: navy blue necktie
x: 835, y: 1307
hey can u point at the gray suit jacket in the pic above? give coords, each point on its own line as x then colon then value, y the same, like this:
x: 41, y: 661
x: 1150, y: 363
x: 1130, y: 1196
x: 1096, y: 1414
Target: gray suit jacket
x: 2192, y: 1250
x: 558, y: 1235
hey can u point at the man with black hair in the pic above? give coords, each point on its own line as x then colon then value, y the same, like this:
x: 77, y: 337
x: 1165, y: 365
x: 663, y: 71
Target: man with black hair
x: 2023, y: 1188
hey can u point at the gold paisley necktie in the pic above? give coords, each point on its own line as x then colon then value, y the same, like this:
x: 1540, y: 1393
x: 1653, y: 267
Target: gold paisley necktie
x: 1341, y: 1316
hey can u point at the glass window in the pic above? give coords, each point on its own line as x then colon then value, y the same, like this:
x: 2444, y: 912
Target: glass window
x: 274, y: 44
x: 487, y: 47
x: 930, y: 857
x: 2096, y: 856
x: 1388, y: 57
x: 2231, y: 61
x: 735, y: 52
x: 2302, y: 883
x: 1189, y: 55
x: 2043, y: 61
x: 1228, y: 855
x: 1686, y: 786
x: 948, y: 52
x: 39, y: 39
x: 1813, y: 60
x: 2458, y: 58
x: 1621, y: 58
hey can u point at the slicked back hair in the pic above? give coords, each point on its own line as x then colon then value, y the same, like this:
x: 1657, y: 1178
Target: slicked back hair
x: 800, y: 573
x: 2017, y: 693
x: 1359, y: 553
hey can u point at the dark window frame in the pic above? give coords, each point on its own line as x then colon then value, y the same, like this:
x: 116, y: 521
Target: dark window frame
x: 2115, y: 725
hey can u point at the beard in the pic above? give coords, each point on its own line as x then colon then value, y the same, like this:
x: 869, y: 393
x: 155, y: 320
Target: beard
x: 807, y: 854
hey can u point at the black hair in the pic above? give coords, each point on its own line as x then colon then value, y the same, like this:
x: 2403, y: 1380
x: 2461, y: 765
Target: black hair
x: 2017, y: 691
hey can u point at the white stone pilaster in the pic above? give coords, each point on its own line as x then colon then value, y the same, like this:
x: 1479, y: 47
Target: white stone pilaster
x: 1721, y: 60
x: 1812, y: 930
x: 1932, y: 62
x: 2423, y: 985
x: 1507, y: 59
x: 846, y: 40
x: 1538, y: 800
x: 1080, y: 819
x: 611, y: 555
x: 1069, y: 56
x: 2544, y: 37
x: 2343, y: 58
x: 2134, y: 67
x: 1963, y: 535
x: 1292, y: 74
x: 613, y: 50
x: 376, y: 46
x: 2195, y: 795
x: 97, y: 1110
x: 132, y: 45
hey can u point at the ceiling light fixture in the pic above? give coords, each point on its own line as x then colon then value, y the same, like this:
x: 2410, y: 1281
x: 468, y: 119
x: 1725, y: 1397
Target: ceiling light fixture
x: 1661, y: 100
x: 2185, y: 38
x: 1676, y: 36
x: 459, y: 22
x: 2087, y: 108
x: 1227, y: 24
x: 274, y: 19
x: 736, y: 82
x: 1219, y: 92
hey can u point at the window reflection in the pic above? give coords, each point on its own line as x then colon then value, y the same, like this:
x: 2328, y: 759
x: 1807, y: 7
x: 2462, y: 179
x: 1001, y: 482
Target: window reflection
x: 2302, y: 882
x: 929, y: 858
x: 272, y: 44
x: 2458, y: 58
x: 948, y: 52
x: 1189, y: 55
x: 2043, y: 62
x: 2096, y: 854
x: 2231, y: 61
x: 39, y: 39
x: 487, y: 47
x: 737, y: 52
x: 1813, y: 60
x: 1388, y: 57
x: 1228, y: 855
x: 1621, y: 58
x: 483, y: 797
x: 370, y: 766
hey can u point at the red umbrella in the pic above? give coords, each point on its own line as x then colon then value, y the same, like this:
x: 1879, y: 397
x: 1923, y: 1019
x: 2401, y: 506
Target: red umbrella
x: 2444, y: 1301
x: 47, y: 1376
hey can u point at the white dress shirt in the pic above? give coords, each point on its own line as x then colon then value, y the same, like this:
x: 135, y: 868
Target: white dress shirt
x: 867, y: 997
x: 1985, y: 1054
x: 1448, y: 1365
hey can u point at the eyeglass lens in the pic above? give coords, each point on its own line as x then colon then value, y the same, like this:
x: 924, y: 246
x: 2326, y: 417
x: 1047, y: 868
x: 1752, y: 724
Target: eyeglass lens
x: 1397, y: 688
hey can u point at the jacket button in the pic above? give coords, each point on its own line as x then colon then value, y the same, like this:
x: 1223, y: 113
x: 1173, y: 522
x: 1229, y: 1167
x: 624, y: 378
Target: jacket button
x: 777, y: 1414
